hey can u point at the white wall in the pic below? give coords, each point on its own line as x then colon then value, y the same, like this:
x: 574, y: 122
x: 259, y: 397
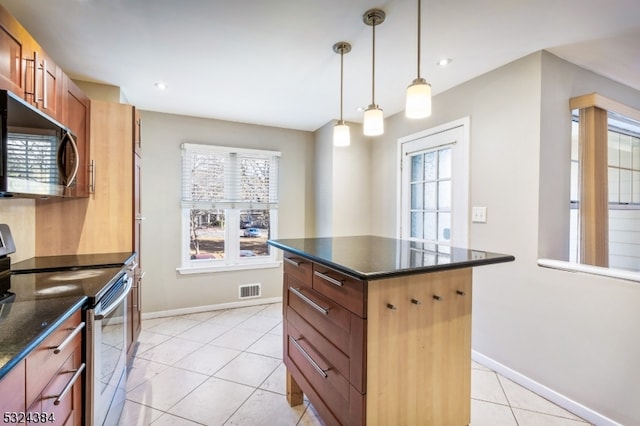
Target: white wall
x: 342, y: 187
x: 164, y: 289
x: 574, y: 334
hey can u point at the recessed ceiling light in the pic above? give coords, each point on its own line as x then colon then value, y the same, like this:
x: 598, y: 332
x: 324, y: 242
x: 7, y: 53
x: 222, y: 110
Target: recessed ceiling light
x: 160, y: 85
x: 444, y: 62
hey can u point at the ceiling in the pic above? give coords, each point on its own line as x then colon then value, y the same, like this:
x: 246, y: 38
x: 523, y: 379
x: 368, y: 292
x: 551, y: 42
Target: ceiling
x: 271, y: 62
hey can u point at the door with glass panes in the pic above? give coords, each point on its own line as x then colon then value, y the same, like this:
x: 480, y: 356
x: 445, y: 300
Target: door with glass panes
x: 434, y: 195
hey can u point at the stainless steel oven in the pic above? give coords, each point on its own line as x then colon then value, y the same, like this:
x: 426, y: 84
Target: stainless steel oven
x: 106, y: 353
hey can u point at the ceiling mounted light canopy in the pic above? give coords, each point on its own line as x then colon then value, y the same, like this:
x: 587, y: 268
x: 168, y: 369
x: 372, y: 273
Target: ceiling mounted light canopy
x: 341, y: 133
x: 419, y: 91
x: 373, y: 124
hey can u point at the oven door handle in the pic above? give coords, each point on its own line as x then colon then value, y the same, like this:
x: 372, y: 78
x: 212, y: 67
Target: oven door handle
x: 104, y: 312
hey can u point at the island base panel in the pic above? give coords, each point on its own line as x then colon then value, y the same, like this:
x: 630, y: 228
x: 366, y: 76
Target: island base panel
x: 419, y: 349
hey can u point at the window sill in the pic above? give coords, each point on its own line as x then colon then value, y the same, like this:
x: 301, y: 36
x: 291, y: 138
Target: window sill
x: 186, y: 270
x: 589, y: 269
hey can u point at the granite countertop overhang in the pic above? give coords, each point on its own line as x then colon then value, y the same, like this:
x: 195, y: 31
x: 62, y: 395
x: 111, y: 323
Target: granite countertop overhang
x: 368, y: 257
x: 24, y: 325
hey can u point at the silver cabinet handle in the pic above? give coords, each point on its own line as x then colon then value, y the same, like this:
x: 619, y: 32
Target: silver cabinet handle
x: 314, y: 305
x: 44, y: 84
x: 293, y: 262
x: 92, y: 181
x: 70, y: 384
x: 332, y: 280
x: 308, y: 357
x: 69, y: 338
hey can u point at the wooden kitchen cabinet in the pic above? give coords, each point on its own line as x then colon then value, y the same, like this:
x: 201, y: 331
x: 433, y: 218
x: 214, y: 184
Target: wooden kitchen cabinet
x: 44, y: 83
x: 378, y: 352
x: 103, y: 222
x: 27, y: 70
x: 12, y: 389
x: 76, y: 109
x: 135, y: 298
x: 38, y: 383
x: 15, y: 42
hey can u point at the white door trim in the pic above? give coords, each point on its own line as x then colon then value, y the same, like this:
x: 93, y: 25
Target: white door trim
x: 462, y: 171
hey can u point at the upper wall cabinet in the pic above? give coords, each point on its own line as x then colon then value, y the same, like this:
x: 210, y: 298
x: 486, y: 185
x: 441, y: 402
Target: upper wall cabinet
x: 27, y: 70
x: 14, y: 45
x: 76, y: 108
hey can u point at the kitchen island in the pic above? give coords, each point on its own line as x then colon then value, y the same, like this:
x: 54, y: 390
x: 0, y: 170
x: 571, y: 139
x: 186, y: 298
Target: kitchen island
x: 377, y: 330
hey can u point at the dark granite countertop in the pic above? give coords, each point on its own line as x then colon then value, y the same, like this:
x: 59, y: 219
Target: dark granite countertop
x: 78, y: 261
x: 24, y: 325
x: 369, y: 257
x: 45, y: 292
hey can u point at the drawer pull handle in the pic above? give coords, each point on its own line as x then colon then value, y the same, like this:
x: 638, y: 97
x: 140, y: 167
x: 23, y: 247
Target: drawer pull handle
x: 314, y: 305
x: 460, y: 292
x: 332, y: 280
x: 293, y: 262
x: 392, y: 307
x: 69, y: 338
x: 416, y: 302
x: 308, y: 357
x: 67, y: 388
x: 436, y: 297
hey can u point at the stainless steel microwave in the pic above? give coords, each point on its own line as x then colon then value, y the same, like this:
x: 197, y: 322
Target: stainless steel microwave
x: 39, y: 156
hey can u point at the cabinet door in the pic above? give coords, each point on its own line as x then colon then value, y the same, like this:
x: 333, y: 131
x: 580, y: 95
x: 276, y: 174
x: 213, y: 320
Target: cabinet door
x: 76, y: 112
x: 12, y: 389
x: 48, y: 83
x: 12, y: 53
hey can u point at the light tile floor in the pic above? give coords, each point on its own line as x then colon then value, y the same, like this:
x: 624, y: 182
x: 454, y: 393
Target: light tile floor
x: 225, y: 368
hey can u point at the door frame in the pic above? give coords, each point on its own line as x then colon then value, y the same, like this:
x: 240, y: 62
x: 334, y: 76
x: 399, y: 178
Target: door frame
x: 461, y: 170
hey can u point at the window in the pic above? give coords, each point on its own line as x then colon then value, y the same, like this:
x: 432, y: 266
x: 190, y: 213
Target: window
x: 605, y: 186
x: 229, y: 206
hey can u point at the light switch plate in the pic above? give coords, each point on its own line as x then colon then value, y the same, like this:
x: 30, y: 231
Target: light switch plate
x: 479, y: 214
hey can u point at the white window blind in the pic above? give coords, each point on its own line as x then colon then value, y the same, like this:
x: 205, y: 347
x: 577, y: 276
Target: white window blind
x: 215, y: 177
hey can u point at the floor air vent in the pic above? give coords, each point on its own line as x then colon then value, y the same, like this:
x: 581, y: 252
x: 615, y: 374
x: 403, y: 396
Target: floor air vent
x: 249, y: 290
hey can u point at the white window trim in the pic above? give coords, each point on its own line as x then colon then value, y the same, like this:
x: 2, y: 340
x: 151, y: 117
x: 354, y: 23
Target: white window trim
x: 189, y: 266
x: 460, y: 215
x: 589, y: 269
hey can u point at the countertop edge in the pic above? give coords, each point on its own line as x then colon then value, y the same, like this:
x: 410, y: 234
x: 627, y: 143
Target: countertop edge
x: 9, y: 365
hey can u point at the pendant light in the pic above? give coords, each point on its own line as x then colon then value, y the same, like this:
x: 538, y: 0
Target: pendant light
x: 373, y: 124
x: 419, y: 91
x: 341, y: 134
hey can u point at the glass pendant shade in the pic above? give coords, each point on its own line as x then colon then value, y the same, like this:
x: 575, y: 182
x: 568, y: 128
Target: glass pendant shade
x: 373, y: 121
x: 341, y: 134
x: 418, y: 99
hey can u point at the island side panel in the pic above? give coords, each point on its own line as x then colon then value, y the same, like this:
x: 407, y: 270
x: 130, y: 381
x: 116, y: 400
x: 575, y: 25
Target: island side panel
x: 419, y: 349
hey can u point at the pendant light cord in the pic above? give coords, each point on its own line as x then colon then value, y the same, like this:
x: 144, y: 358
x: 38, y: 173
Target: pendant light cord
x: 341, y: 79
x: 419, y: 23
x: 373, y: 64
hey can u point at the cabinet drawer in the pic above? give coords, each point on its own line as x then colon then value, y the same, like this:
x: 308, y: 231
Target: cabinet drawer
x: 332, y: 387
x: 347, y: 291
x: 49, y: 356
x: 63, y: 379
x: 332, y: 354
x: 330, y: 319
x: 298, y: 267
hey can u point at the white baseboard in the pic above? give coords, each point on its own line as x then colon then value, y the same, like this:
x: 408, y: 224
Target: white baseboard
x: 567, y: 403
x: 219, y: 307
